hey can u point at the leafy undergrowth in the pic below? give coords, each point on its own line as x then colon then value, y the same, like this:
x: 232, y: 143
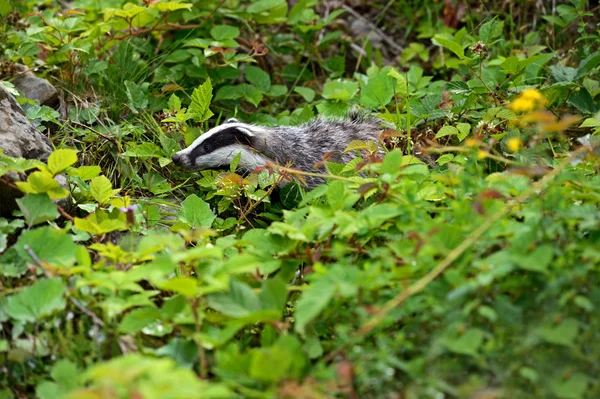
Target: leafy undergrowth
x: 477, y: 277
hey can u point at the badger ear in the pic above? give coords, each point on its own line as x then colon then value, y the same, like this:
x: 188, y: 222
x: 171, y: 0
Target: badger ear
x: 246, y: 131
x: 231, y: 120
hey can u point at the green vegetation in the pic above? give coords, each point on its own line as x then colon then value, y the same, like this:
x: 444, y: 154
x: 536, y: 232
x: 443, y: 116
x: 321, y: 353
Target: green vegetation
x: 476, y: 278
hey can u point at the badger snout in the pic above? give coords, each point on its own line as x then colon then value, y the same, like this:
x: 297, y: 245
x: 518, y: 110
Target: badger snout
x: 176, y: 158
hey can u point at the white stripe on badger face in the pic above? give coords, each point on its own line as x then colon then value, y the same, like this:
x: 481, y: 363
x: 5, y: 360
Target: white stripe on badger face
x: 223, y: 156
x: 244, y: 127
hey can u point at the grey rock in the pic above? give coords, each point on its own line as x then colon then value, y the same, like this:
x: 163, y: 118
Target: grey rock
x: 19, y: 139
x: 35, y: 88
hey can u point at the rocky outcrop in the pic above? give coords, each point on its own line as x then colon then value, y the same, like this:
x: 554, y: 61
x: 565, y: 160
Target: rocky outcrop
x: 19, y: 139
x: 35, y: 88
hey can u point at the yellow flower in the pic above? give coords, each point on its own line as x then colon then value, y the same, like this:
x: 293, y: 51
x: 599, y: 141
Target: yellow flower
x: 482, y: 154
x: 471, y: 142
x: 514, y: 144
x: 529, y: 100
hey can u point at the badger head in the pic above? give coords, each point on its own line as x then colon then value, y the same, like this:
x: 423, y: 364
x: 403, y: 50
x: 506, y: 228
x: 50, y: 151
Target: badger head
x: 220, y: 145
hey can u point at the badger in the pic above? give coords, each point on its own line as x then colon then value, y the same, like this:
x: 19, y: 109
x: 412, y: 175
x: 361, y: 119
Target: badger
x: 302, y: 147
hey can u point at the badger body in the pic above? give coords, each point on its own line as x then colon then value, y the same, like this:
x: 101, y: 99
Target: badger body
x: 301, y: 146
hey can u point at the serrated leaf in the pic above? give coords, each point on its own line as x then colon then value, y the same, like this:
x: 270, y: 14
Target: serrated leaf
x: 378, y: 92
x: 201, y: 98
x: 136, y: 96
x: 587, y: 65
x: 583, y: 101
x: 37, y: 301
x: 37, y: 208
x: 101, y: 189
x: 43, y: 182
x: 49, y: 245
x: 562, y: 73
x: 258, y: 78
x: 196, y: 212
x: 174, y: 103
x: 491, y: 30
x: 61, y: 159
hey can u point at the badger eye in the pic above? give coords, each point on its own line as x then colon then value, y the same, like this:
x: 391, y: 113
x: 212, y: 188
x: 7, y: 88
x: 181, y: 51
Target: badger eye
x: 206, y: 148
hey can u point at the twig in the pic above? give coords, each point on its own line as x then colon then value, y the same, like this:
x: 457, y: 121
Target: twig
x: 255, y: 204
x: 87, y: 311
x: 374, y: 28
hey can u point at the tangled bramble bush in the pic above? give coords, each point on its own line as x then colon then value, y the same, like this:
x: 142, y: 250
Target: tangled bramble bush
x: 476, y: 278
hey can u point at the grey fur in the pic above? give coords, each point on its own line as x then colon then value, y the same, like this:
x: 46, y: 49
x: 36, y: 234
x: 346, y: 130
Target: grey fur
x: 301, y: 146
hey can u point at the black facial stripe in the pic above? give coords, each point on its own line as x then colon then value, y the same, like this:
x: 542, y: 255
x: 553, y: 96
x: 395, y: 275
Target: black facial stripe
x: 222, y: 139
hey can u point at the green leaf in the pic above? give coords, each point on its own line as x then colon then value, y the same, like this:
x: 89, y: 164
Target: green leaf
x: 464, y: 129
x: 43, y: 182
x: 444, y: 159
x: 49, y: 245
x: 196, y: 212
x: 536, y: 261
x: 170, y: 6
x: 447, y: 131
x: 451, y: 45
x: 563, y: 74
x: 174, y: 103
x: 5, y: 8
x: 201, y: 98
x: 264, y: 5
x: 335, y: 194
x: 136, y: 96
x: 575, y: 387
x: 340, y: 90
x: 60, y: 160
x: 586, y: 65
x: 37, y: 301
x: 467, y: 343
x: 392, y: 162
x: 101, y: 189
x: 235, y: 162
x: 224, y: 32
x: 274, y: 294
x: 583, y: 101
x: 85, y: 172
x: 563, y: 334
x: 240, y: 301
x: 312, y: 302
x: 491, y: 30
x: 258, y: 78
x: 378, y: 92
x: 37, y: 208
x: 306, y: 93
x: 137, y: 319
